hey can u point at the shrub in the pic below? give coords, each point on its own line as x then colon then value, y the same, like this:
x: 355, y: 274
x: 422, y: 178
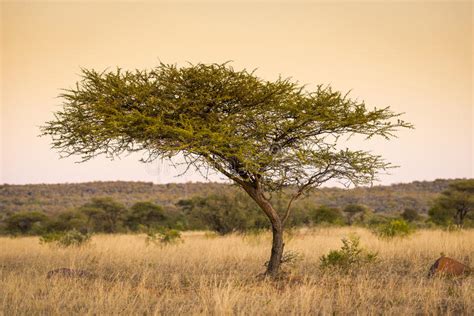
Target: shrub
x: 327, y: 215
x: 394, y: 228
x: 291, y: 257
x: 223, y: 213
x: 145, y: 214
x: 163, y: 236
x: 374, y: 220
x: 441, y: 216
x: 68, y: 221
x: 66, y: 239
x: 410, y: 215
x: 350, y: 256
x: 299, y: 215
x: 26, y: 223
x: 353, y: 210
x: 51, y: 237
x: 104, y: 214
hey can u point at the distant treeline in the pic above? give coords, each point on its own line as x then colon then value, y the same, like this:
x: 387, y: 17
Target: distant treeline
x: 231, y: 210
x: 58, y: 198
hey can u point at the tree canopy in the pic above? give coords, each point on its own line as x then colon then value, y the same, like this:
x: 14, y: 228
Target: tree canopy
x: 454, y: 203
x: 232, y: 121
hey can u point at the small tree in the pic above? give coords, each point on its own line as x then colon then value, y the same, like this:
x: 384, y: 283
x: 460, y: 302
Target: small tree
x: 224, y: 213
x: 262, y: 135
x: 393, y: 228
x: 144, y: 213
x: 26, y: 222
x: 104, y: 214
x: 441, y: 216
x: 328, y: 215
x: 455, y: 202
x: 69, y: 220
x: 350, y: 256
x: 410, y: 215
x: 352, y: 210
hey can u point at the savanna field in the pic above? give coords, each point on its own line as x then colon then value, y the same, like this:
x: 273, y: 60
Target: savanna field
x: 212, y: 275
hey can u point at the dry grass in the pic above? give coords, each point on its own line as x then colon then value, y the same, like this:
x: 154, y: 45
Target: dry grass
x: 207, y: 275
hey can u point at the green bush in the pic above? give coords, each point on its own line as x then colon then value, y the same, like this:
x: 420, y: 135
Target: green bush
x: 410, y: 215
x: 327, y: 215
x: 31, y: 223
x: 353, y: 210
x: 223, y: 213
x: 67, y: 221
x: 300, y: 213
x: 51, y: 237
x: 145, y: 214
x: 394, y: 228
x: 374, y: 220
x: 163, y: 236
x: 66, y: 239
x: 104, y: 214
x: 441, y: 216
x: 350, y: 256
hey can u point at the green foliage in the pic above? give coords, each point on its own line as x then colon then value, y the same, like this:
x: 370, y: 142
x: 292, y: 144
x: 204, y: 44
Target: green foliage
x: 366, y: 217
x: 163, y: 236
x: 224, y: 213
x: 69, y: 220
x: 228, y: 120
x: 32, y: 223
x: 66, y: 239
x: 145, y: 214
x: 300, y: 215
x: 442, y: 216
x: 394, y: 228
x: 104, y: 214
x: 350, y: 256
x: 454, y: 204
x: 352, y: 210
x: 374, y: 220
x: 327, y: 215
x: 410, y: 215
x: 50, y: 237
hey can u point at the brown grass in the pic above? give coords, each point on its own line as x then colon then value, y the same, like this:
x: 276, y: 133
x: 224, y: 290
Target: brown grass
x: 207, y: 275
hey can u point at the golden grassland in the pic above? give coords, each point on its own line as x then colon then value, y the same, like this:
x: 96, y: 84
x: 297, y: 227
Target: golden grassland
x: 217, y: 275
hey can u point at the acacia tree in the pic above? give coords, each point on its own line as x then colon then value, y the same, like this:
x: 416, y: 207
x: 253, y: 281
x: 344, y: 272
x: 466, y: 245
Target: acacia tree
x: 104, y: 213
x: 455, y: 202
x: 265, y: 136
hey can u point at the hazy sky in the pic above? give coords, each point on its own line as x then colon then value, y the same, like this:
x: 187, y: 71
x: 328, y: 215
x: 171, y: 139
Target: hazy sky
x: 416, y: 57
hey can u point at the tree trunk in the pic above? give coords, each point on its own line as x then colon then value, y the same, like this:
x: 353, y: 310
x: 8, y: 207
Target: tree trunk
x: 274, y: 263
x: 460, y: 217
x: 457, y: 218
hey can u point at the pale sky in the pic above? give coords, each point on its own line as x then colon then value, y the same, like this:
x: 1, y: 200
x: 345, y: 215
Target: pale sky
x: 416, y: 57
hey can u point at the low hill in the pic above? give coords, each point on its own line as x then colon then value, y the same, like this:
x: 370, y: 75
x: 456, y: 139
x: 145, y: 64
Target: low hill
x: 54, y: 198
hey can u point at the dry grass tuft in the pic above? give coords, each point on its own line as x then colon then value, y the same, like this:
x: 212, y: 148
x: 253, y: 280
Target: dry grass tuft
x: 217, y: 275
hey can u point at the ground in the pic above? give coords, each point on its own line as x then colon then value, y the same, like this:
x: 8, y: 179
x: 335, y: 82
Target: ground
x: 207, y: 274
